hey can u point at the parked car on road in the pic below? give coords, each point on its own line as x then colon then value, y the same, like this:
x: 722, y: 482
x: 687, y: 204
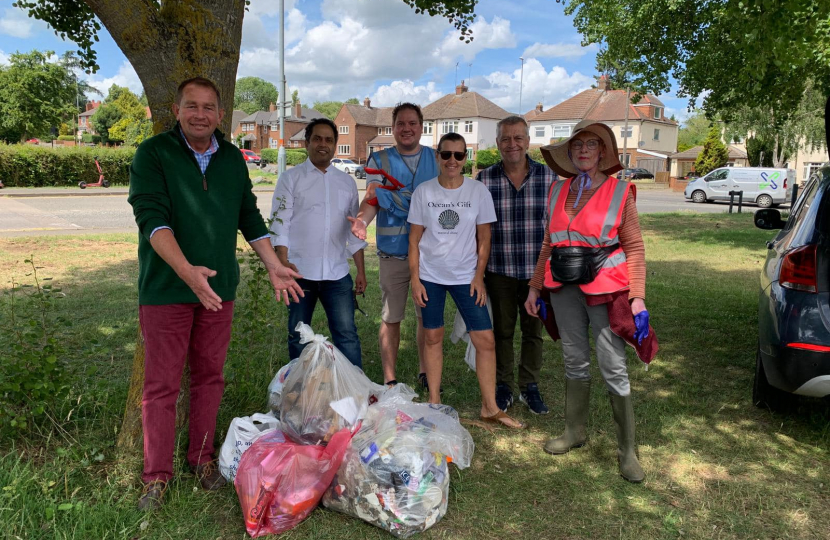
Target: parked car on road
x: 251, y: 156
x: 765, y: 186
x: 793, y: 356
x: 360, y: 172
x: 33, y: 140
x: 635, y: 174
x: 345, y: 165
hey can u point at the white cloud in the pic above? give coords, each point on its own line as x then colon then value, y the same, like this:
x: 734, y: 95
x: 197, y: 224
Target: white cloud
x: 260, y: 33
x: 399, y: 91
x: 4, y: 58
x: 494, y: 35
x: 555, y: 50
x: 126, y: 76
x: 16, y: 23
x: 539, y: 86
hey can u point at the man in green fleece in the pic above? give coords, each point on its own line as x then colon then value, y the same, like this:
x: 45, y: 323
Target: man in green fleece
x: 190, y: 193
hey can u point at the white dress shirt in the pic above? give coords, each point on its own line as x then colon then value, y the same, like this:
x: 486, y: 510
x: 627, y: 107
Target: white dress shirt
x: 308, y: 213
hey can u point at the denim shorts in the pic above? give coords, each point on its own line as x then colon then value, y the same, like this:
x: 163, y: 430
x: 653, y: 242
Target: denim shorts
x: 475, y: 317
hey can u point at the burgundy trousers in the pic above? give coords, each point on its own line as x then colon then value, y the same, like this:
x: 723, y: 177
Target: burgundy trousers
x: 172, y: 334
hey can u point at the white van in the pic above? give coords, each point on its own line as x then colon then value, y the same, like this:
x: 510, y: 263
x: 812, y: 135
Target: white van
x: 762, y: 185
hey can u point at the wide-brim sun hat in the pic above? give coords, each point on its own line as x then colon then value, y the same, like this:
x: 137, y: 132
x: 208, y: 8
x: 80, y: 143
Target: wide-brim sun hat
x: 557, y: 158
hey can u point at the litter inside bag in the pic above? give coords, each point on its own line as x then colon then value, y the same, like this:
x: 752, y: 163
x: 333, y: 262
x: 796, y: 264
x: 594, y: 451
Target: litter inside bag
x: 279, y: 482
x: 395, y: 473
x: 323, y: 392
x: 276, y: 386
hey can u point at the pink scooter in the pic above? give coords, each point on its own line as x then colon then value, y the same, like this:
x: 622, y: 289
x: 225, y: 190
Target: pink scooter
x: 101, y: 181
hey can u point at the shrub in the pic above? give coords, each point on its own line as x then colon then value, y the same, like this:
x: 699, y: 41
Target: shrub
x: 88, y: 138
x: 714, y: 153
x: 293, y: 156
x: 32, y: 374
x: 487, y: 157
x: 66, y: 138
x: 34, y: 166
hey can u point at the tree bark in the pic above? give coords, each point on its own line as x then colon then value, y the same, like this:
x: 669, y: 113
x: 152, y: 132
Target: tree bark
x: 166, y: 45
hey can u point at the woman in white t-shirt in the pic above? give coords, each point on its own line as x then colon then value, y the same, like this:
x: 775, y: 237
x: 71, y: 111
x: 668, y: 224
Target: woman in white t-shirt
x: 449, y: 244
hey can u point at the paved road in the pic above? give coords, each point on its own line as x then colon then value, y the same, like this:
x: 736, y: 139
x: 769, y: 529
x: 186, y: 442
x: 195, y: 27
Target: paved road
x: 74, y: 212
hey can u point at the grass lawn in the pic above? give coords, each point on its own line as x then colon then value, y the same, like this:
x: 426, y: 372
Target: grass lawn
x: 716, y: 467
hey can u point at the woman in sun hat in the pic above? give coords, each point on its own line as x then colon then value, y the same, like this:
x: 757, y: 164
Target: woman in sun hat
x: 593, y: 265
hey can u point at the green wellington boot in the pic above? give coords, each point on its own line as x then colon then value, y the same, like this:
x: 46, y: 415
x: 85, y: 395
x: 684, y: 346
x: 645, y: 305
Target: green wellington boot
x: 626, y: 448
x: 577, y: 397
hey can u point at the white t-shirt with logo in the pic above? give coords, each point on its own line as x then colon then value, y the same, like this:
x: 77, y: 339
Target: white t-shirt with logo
x: 448, y: 247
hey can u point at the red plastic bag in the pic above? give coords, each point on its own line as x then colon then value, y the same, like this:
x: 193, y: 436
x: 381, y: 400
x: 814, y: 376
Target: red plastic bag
x: 279, y: 482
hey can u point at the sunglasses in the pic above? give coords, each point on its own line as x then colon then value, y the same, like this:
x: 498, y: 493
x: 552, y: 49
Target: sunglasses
x: 446, y: 154
x: 592, y: 144
x: 356, y: 306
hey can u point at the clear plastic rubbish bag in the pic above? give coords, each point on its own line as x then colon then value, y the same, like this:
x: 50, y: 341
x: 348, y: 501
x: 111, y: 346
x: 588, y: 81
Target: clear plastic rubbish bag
x: 323, y: 392
x: 242, y: 433
x: 276, y: 386
x: 279, y: 482
x: 395, y: 474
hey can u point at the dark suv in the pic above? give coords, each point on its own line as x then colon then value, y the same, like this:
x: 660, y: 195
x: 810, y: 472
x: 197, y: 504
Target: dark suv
x: 635, y: 174
x: 793, y: 355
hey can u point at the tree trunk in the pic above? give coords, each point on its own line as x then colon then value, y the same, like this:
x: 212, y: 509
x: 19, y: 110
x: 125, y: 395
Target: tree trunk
x: 166, y: 45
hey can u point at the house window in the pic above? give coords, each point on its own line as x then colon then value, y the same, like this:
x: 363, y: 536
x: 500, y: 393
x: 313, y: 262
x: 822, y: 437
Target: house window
x: 448, y: 126
x: 625, y: 159
x: 658, y: 113
x: 540, y: 131
x: 809, y: 169
x: 626, y: 132
x: 344, y: 149
x: 468, y: 126
x: 469, y: 153
x: 656, y: 134
x: 561, y: 131
x: 343, y: 130
x: 275, y: 126
x: 273, y: 143
x: 380, y: 131
x: 427, y: 128
x: 388, y: 131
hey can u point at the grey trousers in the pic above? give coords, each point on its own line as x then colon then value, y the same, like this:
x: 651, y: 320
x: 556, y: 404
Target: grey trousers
x: 573, y: 316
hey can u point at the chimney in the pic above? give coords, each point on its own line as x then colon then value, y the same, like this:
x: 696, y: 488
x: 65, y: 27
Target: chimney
x: 272, y: 107
x: 539, y: 107
x: 603, y: 83
x: 92, y: 104
x: 298, y: 110
x: 367, y: 103
x: 460, y: 89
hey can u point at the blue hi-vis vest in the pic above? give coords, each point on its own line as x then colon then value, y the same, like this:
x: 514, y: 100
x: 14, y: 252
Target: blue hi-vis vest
x: 393, y: 206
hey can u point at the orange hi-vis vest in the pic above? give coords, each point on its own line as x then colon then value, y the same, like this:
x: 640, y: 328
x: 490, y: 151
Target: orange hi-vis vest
x: 596, y: 225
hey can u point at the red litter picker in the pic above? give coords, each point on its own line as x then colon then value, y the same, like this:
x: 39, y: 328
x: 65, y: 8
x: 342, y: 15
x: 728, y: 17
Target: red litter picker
x: 396, y: 185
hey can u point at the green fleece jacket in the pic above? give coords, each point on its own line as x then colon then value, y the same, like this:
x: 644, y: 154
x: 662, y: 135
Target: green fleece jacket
x: 167, y: 188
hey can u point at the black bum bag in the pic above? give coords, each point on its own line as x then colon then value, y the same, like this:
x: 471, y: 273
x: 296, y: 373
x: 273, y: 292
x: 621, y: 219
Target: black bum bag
x: 578, y: 265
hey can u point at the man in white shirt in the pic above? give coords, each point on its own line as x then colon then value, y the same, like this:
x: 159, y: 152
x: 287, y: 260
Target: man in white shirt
x: 312, y: 236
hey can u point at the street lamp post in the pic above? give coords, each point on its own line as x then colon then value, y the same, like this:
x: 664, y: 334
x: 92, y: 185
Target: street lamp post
x: 521, y: 84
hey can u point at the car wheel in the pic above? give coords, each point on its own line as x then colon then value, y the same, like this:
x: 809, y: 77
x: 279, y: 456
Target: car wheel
x: 765, y: 395
x: 699, y: 196
x: 764, y: 201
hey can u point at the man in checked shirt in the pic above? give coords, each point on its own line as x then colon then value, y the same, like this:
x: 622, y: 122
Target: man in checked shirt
x: 519, y: 187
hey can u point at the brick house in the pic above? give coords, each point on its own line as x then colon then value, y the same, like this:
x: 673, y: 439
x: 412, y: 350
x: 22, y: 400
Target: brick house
x: 651, y: 137
x: 84, y: 125
x: 363, y: 129
x: 468, y: 113
x: 262, y: 129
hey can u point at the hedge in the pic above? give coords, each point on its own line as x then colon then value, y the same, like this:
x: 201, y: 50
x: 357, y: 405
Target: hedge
x: 35, y: 166
x: 293, y: 156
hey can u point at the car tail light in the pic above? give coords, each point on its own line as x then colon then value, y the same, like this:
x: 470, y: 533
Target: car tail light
x: 798, y: 269
x: 785, y: 183
x: 809, y: 347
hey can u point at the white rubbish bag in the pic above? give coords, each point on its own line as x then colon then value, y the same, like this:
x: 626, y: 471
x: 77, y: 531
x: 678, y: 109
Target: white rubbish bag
x: 242, y: 433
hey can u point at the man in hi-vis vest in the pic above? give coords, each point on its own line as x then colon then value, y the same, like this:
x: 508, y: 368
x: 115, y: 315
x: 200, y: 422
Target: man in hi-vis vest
x: 411, y: 164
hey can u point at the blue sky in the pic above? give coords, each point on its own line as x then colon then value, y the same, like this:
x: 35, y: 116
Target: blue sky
x: 337, y: 49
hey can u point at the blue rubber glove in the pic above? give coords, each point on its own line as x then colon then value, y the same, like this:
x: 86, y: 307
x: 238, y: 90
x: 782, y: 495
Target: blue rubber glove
x: 543, y: 310
x: 641, y: 322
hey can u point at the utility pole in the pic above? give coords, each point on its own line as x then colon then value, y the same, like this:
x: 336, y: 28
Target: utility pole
x: 281, y: 151
x: 625, y: 139
x: 521, y: 84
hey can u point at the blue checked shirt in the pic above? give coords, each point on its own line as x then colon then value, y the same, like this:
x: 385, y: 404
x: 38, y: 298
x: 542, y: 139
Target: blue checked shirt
x: 519, y: 231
